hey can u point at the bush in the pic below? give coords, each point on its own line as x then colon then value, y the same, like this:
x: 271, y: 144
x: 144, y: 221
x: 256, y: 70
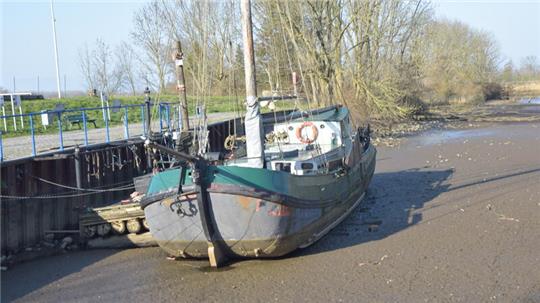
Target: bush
x: 494, y: 91
x: 414, y: 104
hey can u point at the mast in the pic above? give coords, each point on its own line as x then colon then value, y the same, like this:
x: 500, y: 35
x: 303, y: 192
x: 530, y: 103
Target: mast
x: 253, y: 121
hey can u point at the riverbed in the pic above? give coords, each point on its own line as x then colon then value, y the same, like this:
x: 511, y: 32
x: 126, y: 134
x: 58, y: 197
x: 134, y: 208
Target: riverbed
x: 450, y: 216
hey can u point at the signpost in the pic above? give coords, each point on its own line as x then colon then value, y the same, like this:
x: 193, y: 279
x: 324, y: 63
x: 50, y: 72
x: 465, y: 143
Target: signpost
x: 19, y: 104
x: 15, y: 101
x: 105, y: 100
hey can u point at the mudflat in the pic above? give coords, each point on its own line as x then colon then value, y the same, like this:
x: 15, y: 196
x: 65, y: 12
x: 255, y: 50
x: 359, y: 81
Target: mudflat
x: 450, y: 216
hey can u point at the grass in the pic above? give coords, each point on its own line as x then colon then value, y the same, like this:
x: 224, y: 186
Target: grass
x: 529, y: 88
x: 214, y: 104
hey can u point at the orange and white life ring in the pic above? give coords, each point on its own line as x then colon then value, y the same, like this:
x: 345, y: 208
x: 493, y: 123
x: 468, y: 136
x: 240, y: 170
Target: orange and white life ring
x: 307, y: 139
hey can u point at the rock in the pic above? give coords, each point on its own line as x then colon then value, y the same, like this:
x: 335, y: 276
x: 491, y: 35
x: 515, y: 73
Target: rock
x: 48, y: 237
x: 48, y: 244
x: 66, y: 241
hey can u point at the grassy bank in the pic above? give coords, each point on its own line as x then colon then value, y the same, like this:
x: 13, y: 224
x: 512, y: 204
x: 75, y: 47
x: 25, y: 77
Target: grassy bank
x: 214, y: 104
x: 525, y: 89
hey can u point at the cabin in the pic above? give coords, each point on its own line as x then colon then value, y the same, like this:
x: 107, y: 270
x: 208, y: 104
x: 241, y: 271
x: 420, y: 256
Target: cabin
x: 303, y: 144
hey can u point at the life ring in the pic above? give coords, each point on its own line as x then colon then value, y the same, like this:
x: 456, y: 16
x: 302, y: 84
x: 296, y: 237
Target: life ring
x: 307, y: 140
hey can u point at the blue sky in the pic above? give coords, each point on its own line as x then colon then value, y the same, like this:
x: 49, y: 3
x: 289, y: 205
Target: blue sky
x: 27, y: 49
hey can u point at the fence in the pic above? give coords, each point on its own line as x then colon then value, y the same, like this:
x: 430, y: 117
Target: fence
x: 31, y: 134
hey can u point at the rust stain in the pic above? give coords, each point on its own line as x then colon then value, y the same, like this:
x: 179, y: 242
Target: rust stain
x: 244, y: 201
x: 280, y: 211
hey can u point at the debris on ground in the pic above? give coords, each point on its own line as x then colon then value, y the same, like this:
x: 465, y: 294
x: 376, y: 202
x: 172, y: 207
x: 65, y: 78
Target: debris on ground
x: 66, y: 241
x: 501, y: 216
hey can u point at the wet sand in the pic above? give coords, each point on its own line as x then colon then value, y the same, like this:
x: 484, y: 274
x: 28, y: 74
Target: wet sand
x: 451, y: 216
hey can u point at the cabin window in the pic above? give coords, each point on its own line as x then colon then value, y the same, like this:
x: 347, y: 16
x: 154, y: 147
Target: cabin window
x: 286, y: 167
x: 307, y: 165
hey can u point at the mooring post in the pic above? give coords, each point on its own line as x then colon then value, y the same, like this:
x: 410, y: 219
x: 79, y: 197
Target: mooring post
x: 107, y: 134
x: 60, y: 135
x: 85, y: 126
x: 147, y: 105
x: 126, y: 123
x: 33, y: 135
x: 78, y: 176
x: 178, y: 58
x: 143, y: 121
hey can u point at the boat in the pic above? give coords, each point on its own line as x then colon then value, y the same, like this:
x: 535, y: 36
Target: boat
x: 301, y: 173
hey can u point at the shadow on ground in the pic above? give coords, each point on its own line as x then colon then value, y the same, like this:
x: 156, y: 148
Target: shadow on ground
x: 389, y: 207
x: 23, y: 278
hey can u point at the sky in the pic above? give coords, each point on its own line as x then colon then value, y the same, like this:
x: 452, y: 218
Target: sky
x: 27, y: 50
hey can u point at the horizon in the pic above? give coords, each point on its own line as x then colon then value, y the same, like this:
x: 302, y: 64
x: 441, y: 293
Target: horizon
x: 517, y: 37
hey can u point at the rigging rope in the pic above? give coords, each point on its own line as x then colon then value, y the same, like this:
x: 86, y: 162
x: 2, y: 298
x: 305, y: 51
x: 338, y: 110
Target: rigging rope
x: 86, y: 189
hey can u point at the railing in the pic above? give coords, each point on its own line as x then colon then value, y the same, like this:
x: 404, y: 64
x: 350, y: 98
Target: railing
x: 30, y: 134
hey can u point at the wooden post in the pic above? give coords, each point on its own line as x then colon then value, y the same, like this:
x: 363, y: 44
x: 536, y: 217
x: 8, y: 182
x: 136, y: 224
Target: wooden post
x: 253, y: 121
x: 181, y: 85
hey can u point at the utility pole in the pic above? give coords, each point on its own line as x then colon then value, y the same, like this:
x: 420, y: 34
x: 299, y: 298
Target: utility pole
x: 178, y: 58
x: 55, y: 51
x: 253, y: 122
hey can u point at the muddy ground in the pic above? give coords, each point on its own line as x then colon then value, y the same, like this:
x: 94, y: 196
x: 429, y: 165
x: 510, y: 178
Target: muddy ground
x: 450, y: 216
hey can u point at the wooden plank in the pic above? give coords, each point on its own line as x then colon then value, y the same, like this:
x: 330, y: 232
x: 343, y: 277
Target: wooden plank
x: 116, y: 173
x: 46, y: 205
x: 70, y: 202
x: 20, y: 191
x: 29, y: 209
x: 58, y: 204
x: 3, y: 210
x: 38, y: 189
x: 13, y: 211
x: 109, y: 177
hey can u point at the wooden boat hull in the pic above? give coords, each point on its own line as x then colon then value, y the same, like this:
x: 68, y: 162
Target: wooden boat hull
x: 256, y: 212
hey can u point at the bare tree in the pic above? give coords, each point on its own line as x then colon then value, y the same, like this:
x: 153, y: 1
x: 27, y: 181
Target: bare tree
x: 529, y: 68
x: 86, y: 66
x: 208, y: 30
x: 108, y: 75
x: 125, y: 58
x: 99, y: 69
x: 151, y: 36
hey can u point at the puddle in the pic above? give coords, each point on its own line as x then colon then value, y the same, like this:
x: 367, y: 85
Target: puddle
x: 535, y: 100
x: 438, y: 136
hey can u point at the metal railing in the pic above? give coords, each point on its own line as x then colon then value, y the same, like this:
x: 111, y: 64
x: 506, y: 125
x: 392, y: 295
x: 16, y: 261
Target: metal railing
x: 53, y: 130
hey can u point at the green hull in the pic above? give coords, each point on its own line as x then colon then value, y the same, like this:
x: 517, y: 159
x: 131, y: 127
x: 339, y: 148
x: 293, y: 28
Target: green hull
x: 255, y: 212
